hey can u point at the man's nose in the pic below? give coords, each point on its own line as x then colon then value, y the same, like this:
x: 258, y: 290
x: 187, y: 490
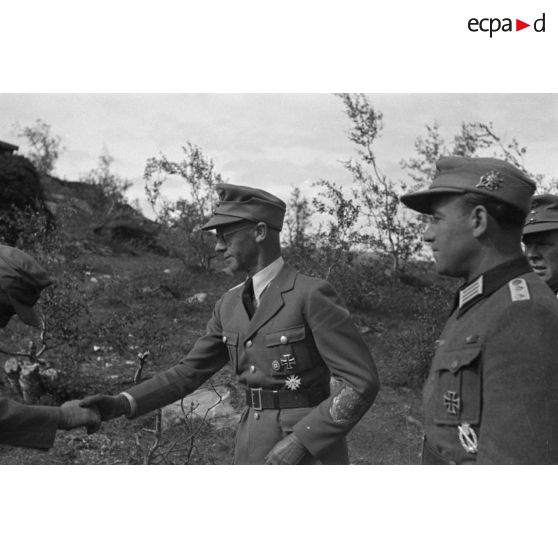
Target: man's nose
x: 428, y: 234
x: 220, y: 245
x: 532, y: 252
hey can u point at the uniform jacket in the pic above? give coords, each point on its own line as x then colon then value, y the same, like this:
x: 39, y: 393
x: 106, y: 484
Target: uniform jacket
x: 496, y: 369
x: 30, y: 426
x: 301, y: 331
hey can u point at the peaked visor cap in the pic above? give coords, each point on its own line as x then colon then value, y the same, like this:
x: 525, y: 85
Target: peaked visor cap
x: 22, y: 279
x: 543, y: 215
x: 242, y: 203
x: 493, y: 178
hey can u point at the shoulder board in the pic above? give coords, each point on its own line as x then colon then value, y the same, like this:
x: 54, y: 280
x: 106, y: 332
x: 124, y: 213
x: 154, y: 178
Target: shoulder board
x: 235, y: 287
x: 519, y: 290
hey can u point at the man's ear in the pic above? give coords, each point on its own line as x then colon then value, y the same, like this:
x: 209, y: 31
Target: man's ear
x: 479, y: 218
x: 261, y: 231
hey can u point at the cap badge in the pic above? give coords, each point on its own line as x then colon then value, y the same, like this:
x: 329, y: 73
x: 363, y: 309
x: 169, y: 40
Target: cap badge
x: 292, y: 382
x: 490, y: 181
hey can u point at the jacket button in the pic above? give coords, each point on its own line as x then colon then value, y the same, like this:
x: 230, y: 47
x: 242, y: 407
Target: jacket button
x: 283, y: 339
x: 249, y: 343
x: 252, y: 369
x: 454, y: 364
x: 257, y: 415
x: 224, y: 338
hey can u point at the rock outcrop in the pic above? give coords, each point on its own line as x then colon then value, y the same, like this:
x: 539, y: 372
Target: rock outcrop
x: 83, y: 212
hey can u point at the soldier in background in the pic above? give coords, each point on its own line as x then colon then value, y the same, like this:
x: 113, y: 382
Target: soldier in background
x: 491, y: 396
x: 285, y: 334
x: 21, y: 281
x: 540, y: 236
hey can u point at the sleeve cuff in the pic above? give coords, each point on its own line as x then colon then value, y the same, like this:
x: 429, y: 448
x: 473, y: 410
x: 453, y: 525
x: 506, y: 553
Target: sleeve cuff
x: 132, y: 402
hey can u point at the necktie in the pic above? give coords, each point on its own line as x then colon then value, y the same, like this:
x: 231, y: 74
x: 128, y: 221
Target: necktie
x: 248, y: 297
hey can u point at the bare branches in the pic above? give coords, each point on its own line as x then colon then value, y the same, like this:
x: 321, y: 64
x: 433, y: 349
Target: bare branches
x: 374, y: 201
x: 184, y: 217
x: 142, y: 358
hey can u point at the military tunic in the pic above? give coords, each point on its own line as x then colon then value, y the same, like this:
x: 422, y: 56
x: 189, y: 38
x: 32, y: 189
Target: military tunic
x: 300, y: 335
x: 27, y: 425
x: 491, y: 396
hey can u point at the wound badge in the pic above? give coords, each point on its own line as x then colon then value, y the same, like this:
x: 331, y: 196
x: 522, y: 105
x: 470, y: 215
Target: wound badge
x: 275, y: 365
x: 287, y: 361
x: 452, y: 402
x: 292, y: 382
x: 490, y: 181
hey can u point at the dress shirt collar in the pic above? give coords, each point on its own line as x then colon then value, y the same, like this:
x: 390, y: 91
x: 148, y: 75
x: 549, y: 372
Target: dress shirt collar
x: 264, y: 277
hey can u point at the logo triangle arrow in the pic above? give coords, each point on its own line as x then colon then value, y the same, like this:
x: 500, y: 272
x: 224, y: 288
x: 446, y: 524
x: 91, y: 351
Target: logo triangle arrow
x: 519, y: 25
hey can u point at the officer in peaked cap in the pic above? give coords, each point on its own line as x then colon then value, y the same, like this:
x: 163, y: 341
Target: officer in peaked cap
x: 21, y: 281
x: 540, y: 237
x: 492, y: 391
x: 285, y: 334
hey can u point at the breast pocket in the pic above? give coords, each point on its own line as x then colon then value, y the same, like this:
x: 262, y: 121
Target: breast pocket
x: 288, y: 351
x: 458, y: 386
x: 230, y: 338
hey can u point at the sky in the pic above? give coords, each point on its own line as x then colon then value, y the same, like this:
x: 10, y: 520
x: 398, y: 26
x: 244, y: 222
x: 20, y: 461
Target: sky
x: 269, y: 141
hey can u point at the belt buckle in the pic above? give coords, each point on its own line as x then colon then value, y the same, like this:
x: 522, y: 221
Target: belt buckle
x: 256, y: 396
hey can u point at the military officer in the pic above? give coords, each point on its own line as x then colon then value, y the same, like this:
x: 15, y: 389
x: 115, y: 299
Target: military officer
x: 492, y: 391
x: 21, y: 281
x: 284, y: 333
x: 540, y: 237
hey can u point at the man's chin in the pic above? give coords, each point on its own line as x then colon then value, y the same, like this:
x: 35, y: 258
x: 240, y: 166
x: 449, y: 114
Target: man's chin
x: 230, y: 267
x: 541, y: 273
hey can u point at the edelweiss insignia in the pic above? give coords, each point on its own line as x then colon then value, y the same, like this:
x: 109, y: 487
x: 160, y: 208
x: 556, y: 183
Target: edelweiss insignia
x: 490, y: 181
x: 292, y: 382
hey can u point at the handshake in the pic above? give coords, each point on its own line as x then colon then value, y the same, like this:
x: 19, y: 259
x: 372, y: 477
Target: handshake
x: 91, y: 411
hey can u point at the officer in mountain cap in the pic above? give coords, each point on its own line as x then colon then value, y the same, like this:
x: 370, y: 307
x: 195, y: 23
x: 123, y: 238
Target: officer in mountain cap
x: 492, y: 391
x: 284, y: 333
x: 21, y: 281
x: 493, y: 178
x: 540, y: 237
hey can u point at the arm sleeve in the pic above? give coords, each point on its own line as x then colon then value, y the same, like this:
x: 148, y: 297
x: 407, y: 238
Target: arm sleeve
x: 520, y: 388
x: 27, y: 425
x: 208, y: 355
x: 348, y: 359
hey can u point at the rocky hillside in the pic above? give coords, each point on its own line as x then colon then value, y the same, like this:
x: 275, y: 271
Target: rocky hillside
x: 83, y: 211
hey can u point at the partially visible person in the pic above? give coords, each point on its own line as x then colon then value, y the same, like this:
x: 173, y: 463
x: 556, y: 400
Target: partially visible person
x: 491, y: 396
x: 21, y: 281
x: 540, y: 237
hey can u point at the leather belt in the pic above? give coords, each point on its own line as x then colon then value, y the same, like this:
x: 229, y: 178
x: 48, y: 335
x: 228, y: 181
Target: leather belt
x: 259, y: 398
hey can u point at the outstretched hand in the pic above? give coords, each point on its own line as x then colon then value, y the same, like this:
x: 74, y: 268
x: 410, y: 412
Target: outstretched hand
x: 107, y: 406
x: 72, y: 415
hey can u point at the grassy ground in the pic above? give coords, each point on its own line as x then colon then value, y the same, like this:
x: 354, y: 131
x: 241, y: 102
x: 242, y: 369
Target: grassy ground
x: 140, y: 302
